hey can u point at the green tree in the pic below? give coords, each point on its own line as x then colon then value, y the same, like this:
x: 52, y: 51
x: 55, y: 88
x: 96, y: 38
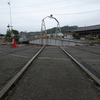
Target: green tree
x: 15, y: 32
x: 8, y: 33
x: 16, y: 35
x: 74, y: 35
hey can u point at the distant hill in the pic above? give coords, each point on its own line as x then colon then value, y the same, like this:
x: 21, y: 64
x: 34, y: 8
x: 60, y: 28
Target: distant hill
x: 68, y: 28
x: 52, y: 30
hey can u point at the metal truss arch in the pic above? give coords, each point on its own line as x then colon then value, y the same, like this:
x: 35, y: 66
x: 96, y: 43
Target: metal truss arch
x: 43, y: 26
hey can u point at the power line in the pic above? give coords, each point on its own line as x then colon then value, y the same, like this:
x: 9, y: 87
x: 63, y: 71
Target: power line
x: 54, y: 3
x: 92, y: 11
x: 37, y: 9
x: 79, y: 12
x: 82, y: 4
x: 42, y: 4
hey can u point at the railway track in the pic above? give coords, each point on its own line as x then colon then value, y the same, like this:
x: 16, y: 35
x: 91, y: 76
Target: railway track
x: 88, y: 56
x: 92, y: 76
x: 11, y: 63
x: 19, y: 75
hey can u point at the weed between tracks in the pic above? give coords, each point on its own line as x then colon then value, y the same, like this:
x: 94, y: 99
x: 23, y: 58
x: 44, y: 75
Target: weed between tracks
x: 7, y: 95
x: 7, y: 81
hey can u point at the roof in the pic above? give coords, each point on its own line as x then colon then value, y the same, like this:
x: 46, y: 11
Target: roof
x: 94, y: 27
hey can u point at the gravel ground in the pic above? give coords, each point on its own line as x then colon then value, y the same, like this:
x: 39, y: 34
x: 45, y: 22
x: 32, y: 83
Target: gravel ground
x: 10, y: 64
x: 88, y: 59
x: 53, y: 76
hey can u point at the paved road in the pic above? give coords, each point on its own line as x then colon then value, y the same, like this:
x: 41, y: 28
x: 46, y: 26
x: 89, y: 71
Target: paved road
x: 95, y: 49
x: 53, y: 76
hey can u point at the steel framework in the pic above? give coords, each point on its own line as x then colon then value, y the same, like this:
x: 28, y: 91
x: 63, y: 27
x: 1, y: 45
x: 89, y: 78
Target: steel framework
x: 43, y: 27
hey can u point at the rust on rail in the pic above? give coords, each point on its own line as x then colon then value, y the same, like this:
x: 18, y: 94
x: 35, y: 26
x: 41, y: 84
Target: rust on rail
x: 18, y: 75
x: 92, y: 76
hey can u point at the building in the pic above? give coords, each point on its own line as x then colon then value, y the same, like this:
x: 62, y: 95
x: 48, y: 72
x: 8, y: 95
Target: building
x: 67, y: 34
x: 2, y: 36
x: 88, y: 32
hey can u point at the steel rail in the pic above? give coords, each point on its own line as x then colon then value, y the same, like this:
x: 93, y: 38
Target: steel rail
x: 16, y: 78
x: 92, y: 76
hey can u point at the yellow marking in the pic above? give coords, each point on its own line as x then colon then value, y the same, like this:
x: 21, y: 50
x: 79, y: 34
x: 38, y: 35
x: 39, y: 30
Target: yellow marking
x: 91, y: 60
x: 20, y: 56
x: 53, y: 58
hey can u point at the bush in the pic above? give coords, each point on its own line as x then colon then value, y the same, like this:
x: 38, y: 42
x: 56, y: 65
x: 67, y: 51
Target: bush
x: 74, y: 35
x: 92, y: 38
x: 99, y: 36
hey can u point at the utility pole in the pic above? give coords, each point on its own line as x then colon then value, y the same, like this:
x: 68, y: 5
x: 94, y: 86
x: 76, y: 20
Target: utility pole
x: 10, y: 26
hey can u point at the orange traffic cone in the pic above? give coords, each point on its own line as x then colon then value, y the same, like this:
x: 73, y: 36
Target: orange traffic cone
x: 13, y: 42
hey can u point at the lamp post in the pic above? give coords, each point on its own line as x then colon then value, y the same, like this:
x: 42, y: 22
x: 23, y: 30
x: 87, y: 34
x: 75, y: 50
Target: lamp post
x: 10, y: 26
x: 10, y: 14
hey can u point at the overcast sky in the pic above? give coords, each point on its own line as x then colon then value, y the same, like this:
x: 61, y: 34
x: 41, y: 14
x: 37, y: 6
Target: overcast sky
x: 27, y: 15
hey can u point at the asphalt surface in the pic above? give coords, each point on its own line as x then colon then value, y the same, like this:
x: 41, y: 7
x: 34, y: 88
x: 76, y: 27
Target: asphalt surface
x: 53, y: 76
x: 89, y: 56
x: 94, y: 49
x: 13, y: 59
